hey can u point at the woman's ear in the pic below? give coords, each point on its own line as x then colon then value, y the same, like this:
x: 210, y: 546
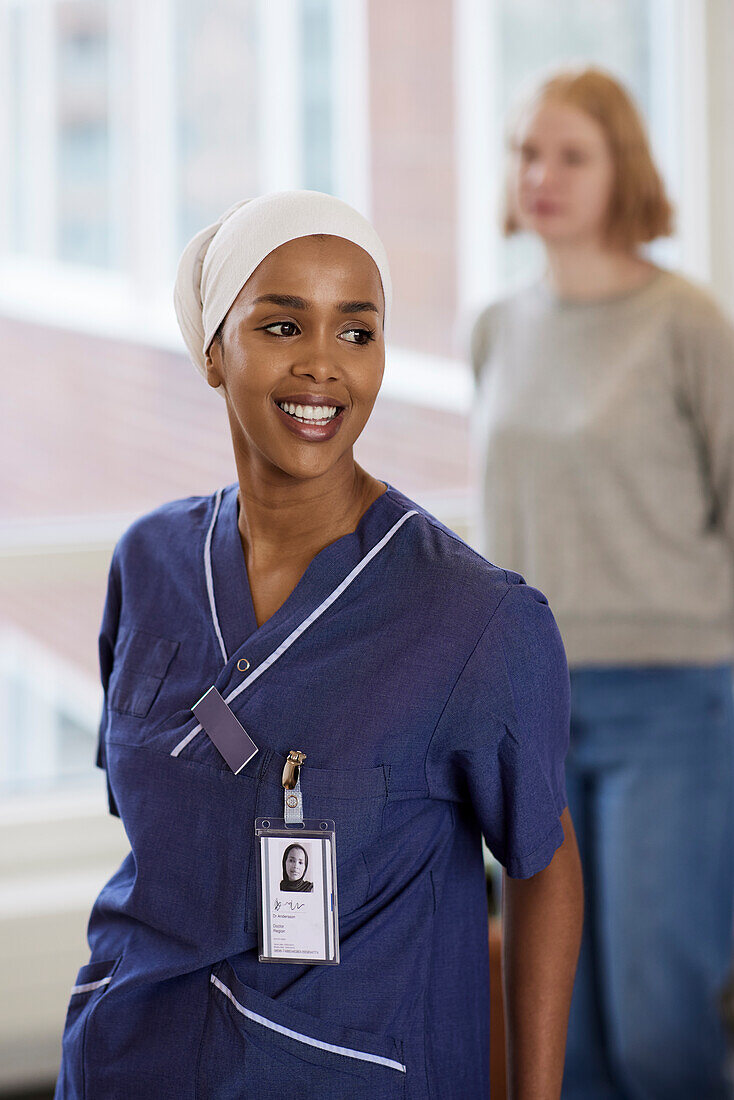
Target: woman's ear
x: 214, y: 373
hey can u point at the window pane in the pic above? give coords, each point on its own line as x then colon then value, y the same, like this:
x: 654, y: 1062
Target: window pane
x: 48, y: 733
x: 16, y: 75
x: 535, y: 35
x: 316, y: 48
x: 83, y: 132
x: 216, y: 95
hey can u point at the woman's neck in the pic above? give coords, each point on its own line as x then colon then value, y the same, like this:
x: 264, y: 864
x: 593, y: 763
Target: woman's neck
x: 281, y: 521
x: 586, y: 271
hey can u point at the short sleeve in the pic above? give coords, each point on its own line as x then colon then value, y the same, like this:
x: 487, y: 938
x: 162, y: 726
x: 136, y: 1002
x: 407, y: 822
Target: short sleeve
x: 502, y: 739
x: 107, y: 640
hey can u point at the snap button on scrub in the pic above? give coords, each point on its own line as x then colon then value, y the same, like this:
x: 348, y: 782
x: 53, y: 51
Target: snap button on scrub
x: 243, y: 664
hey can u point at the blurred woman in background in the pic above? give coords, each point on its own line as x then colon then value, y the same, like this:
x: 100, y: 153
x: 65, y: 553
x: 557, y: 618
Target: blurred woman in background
x: 605, y: 428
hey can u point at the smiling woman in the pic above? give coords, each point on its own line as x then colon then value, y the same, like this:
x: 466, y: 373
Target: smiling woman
x: 292, y: 318
x: 426, y: 690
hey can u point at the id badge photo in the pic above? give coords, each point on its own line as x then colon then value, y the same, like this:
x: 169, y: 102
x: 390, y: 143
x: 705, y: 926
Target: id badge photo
x: 298, y: 902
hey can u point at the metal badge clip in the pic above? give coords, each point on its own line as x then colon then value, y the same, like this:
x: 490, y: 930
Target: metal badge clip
x: 292, y: 769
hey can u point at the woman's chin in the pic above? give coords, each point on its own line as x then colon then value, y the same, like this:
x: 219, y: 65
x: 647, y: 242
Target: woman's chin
x: 307, y: 466
x: 553, y: 229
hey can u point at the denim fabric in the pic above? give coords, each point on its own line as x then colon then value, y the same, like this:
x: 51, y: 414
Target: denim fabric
x: 650, y: 781
x: 431, y: 699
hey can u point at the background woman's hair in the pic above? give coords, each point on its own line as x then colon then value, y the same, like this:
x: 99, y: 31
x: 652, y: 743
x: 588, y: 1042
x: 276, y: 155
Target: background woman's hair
x: 639, y: 208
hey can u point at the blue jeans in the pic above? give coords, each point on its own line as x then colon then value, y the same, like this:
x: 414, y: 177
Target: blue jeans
x: 650, y: 781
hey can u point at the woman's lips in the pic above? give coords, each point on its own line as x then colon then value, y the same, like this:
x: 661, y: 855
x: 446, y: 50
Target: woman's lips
x: 545, y: 208
x: 315, y: 431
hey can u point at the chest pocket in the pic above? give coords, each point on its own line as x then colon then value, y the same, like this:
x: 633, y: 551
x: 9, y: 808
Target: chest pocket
x: 354, y: 799
x: 140, y: 664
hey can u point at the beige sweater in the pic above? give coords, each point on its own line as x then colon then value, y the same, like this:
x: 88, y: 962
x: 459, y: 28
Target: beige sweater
x: 605, y: 433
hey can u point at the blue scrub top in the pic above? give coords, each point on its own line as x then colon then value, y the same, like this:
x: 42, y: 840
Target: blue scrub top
x: 429, y: 690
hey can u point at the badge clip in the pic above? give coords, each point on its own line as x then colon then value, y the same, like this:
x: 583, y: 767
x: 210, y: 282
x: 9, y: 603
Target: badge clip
x: 292, y: 768
x: 293, y: 800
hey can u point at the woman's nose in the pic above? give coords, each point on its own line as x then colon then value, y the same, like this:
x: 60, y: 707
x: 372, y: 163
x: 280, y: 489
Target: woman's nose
x: 317, y: 363
x: 538, y: 173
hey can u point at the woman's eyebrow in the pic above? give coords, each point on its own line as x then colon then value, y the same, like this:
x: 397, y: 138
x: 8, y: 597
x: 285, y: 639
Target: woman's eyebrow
x: 291, y: 301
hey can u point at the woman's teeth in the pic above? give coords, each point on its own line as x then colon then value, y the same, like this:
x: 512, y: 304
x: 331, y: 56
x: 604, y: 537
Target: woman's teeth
x: 308, y: 413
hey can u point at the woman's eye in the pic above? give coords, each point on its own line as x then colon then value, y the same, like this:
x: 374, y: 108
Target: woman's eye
x: 364, y: 335
x: 573, y: 157
x: 282, y: 325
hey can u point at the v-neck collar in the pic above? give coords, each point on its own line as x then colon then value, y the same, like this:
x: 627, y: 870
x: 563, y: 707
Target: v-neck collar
x: 324, y: 572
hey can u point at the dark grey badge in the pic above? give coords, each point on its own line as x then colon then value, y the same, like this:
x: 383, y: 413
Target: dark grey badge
x: 221, y: 726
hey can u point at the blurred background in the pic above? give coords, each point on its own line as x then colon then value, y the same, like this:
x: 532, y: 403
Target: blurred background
x: 126, y: 126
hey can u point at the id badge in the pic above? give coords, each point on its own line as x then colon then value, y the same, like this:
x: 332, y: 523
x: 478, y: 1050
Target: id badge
x: 299, y: 920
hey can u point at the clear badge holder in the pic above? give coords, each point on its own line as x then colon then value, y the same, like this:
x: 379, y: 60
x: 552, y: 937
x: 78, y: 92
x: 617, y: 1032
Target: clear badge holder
x: 299, y: 920
x: 299, y: 917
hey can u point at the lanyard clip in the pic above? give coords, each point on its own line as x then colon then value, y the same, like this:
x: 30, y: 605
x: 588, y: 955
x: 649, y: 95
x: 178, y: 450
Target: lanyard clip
x: 292, y: 769
x: 292, y: 799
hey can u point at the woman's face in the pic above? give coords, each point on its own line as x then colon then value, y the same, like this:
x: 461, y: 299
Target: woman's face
x: 303, y: 336
x: 295, y: 864
x: 562, y: 174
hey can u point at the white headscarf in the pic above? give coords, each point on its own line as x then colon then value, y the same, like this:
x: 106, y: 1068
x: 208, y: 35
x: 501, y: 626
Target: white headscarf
x: 219, y: 260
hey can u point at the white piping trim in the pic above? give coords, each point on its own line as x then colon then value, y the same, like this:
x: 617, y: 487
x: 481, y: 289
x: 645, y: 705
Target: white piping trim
x: 346, y: 1052
x: 210, y: 576
x: 90, y: 986
x: 304, y: 625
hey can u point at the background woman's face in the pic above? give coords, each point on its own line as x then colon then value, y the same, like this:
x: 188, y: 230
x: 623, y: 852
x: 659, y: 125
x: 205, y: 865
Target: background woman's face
x: 562, y: 174
x: 320, y: 338
x: 295, y: 864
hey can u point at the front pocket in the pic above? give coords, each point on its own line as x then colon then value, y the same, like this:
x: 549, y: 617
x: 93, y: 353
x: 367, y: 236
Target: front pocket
x: 259, y: 1047
x: 91, y: 980
x: 91, y: 983
x: 140, y: 664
